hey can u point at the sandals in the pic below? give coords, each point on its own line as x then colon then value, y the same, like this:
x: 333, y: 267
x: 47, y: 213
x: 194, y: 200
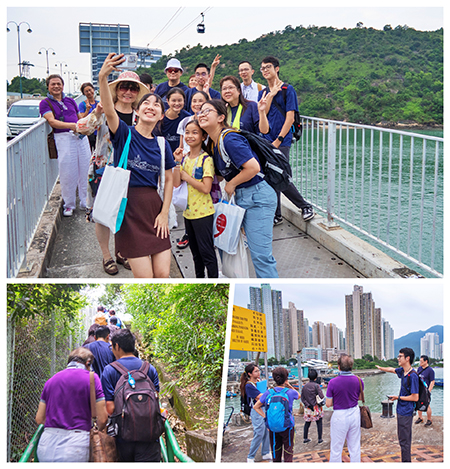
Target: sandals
x: 110, y: 267
x: 123, y: 261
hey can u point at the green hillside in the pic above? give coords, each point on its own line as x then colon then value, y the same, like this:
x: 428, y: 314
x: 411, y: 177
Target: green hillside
x: 359, y: 75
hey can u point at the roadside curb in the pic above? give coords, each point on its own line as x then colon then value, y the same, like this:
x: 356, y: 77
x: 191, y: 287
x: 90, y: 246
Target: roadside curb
x: 40, y: 250
x: 363, y: 257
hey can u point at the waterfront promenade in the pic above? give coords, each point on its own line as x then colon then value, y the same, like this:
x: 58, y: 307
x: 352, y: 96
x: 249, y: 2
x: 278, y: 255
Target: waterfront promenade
x: 378, y: 444
x: 66, y: 247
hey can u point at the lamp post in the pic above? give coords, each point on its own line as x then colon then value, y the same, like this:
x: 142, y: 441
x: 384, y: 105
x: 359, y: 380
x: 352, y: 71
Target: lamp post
x: 60, y: 66
x: 46, y: 54
x: 18, y: 47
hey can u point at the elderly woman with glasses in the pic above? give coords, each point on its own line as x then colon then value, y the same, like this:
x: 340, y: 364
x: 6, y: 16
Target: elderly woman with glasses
x: 126, y: 92
x: 242, y: 114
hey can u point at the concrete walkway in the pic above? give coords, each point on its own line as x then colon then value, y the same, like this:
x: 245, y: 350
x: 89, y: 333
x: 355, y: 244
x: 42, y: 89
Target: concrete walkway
x: 75, y: 254
x: 378, y: 444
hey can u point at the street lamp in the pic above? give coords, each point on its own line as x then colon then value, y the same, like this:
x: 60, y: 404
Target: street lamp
x: 18, y: 47
x: 60, y: 66
x: 46, y: 54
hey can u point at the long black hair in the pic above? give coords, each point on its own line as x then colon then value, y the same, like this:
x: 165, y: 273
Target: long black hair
x: 245, y: 378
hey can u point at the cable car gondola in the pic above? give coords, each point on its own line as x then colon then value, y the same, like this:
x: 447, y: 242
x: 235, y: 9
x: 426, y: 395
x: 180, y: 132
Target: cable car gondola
x: 201, y: 26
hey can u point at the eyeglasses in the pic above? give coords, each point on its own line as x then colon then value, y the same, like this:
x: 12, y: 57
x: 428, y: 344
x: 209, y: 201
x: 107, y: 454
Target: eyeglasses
x: 134, y: 87
x: 205, y: 112
x: 229, y: 88
x: 202, y: 74
x: 266, y: 67
x: 244, y: 70
x: 173, y: 70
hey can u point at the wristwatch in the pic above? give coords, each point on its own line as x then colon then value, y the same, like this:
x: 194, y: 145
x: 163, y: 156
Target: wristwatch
x: 280, y: 138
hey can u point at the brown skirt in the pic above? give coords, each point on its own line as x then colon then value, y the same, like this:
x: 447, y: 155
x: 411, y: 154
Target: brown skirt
x: 137, y: 235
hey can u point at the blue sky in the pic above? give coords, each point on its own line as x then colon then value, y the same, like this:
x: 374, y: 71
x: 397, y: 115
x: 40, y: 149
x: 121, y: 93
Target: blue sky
x: 408, y: 305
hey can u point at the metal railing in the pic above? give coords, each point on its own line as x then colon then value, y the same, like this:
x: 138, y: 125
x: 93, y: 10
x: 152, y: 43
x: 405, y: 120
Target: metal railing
x: 31, y: 176
x: 169, y: 447
x: 386, y: 185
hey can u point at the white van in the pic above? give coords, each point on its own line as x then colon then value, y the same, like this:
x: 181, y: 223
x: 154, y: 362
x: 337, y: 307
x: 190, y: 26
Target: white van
x: 21, y: 115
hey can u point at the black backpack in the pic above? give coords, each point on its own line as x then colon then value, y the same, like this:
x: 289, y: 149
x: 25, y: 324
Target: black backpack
x: 137, y: 415
x: 424, y: 394
x: 297, y: 127
x: 275, y: 167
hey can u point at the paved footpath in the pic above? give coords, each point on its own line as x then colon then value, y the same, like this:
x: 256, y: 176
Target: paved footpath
x: 76, y: 254
x: 378, y: 444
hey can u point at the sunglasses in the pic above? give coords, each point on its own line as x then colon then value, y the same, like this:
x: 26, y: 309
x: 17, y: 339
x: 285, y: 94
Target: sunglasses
x: 129, y: 86
x: 173, y: 70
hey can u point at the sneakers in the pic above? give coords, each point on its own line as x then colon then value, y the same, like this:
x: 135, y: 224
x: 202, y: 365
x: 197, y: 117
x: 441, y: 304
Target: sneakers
x: 267, y: 457
x: 277, y: 221
x: 428, y: 424
x: 250, y: 460
x: 183, y: 242
x: 419, y: 420
x: 319, y: 442
x: 68, y: 212
x: 308, y: 213
x: 306, y: 440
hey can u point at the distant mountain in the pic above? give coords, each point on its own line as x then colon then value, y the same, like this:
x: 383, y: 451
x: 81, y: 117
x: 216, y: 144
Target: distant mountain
x: 361, y: 75
x: 412, y: 339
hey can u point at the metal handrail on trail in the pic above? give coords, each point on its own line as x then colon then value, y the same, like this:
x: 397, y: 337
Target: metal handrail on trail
x: 169, y: 446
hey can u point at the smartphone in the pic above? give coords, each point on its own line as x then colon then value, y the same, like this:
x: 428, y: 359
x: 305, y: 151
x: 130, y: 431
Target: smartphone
x: 389, y: 397
x: 130, y: 63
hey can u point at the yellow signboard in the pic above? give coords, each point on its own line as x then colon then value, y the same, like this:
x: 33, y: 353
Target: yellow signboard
x: 248, y: 330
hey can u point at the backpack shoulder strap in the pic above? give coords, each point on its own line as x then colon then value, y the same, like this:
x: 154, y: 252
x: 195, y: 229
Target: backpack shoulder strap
x: 119, y: 367
x: 144, y: 367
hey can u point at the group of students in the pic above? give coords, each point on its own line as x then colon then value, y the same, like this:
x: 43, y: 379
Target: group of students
x: 342, y: 394
x: 192, y: 121
x: 65, y: 404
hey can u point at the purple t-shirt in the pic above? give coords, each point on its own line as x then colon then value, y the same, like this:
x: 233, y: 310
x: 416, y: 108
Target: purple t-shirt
x: 66, y: 109
x: 344, y: 390
x: 67, y: 399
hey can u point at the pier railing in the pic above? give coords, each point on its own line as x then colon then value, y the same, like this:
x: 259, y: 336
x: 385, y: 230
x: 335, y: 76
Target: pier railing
x: 31, y: 176
x: 385, y: 185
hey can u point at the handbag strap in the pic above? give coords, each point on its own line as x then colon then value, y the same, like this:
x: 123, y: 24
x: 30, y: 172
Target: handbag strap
x: 361, y: 392
x: 92, y: 395
x: 124, y: 157
x: 162, y: 148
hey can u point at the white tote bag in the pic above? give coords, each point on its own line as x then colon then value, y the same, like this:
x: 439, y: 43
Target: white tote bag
x: 236, y: 265
x: 180, y: 196
x: 111, y: 199
x: 172, y: 213
x: 227, y: 224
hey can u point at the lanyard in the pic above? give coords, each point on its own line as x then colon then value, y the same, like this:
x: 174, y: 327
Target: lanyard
x: 237, y: 118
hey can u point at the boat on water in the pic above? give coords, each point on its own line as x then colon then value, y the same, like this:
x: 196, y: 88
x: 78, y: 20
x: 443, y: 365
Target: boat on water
x: 439, y: 382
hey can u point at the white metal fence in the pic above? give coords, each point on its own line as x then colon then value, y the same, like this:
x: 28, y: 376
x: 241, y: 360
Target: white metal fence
x: 31, y: 176
x: 387, y: 185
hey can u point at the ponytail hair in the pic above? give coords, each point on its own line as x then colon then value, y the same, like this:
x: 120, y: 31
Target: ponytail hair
x: 244, y: 377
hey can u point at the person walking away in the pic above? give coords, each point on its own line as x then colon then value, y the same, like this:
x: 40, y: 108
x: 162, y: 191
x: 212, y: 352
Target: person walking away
x: 343, y: 393
x: 280, y: 116
x: 408, y: 395
x: 123, y: 347
x: 112, y: 314
x: 144, y: 235
x: 426, y: 373
x: 101, y: 350
x: 65, y: 411
x: 197, y: 169
x: 249, y: 380
x: 249, y: 87
x: 61, y: 112
x: 282, y: 442
x: 313, y: 410
x: 242, y: 113
x: 252, y: 192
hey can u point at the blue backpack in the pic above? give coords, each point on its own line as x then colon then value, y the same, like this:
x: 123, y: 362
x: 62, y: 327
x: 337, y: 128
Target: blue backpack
x: 278, y: 416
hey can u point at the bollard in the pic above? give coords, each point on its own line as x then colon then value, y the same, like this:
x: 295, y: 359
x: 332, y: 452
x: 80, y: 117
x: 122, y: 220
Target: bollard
x: 387, y: 409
